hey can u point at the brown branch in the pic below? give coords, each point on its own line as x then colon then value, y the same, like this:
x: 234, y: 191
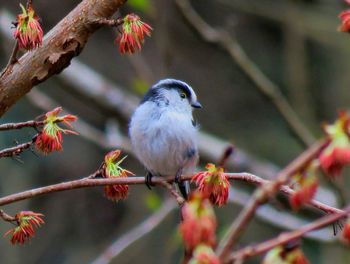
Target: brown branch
x: 288, y: 236
x: 135, y: 234
x: 6, y: 217
x: 179, y: 199
x: 261, y: 196
x: 14, y: 151
x: 31, y: 123
x: 13, y: 59
x: 91, y: 181
x: 109, y: 22
x: 266, y: 86
x: 65, y: 41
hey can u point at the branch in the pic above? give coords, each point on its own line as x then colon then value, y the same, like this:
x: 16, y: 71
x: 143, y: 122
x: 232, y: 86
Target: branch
x: 6, y: 217
x: 262, y: 194
x: 179, y: 199
x: 262, y: 82
x: 20, y: 125
x: 65, y: 41
x: 14, y: 151
x: 91, y: 181
x: 13, y: 59
x: 288, y: 236
x: 135, y: 234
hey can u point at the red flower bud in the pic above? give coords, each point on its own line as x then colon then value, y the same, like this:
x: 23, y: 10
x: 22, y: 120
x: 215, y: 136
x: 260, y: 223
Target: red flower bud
x: 26, y: 221
x: 213, y: 184
x: 199, y: 224
x: 285, y: 255
x: 333, y: 159
x: 204, y: 255
x: 305, y: 185
x: 346, y: 232
x: 133, y: 34
x: 111, y: 168
x: 337, y: 154
x: 28, y: 30
x: 50, y: 138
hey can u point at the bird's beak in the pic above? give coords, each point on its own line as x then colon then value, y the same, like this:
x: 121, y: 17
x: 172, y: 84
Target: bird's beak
x: 196, y: 105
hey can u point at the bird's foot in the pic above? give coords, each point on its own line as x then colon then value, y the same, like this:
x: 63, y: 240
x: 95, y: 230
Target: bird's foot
x: 178, y: 176
x: 148, y: 180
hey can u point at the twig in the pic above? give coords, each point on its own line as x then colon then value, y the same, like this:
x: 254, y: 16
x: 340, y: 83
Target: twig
x: 109, y: 22
x: 12, y: 60
x: 135, y: 234
x: 179, y: 199
x: 226, y: 155
x: 261, y: 195
x: 20, y: 125
x: 262, y: 82
x: 14, y: 151
x: 288, y: 236
x: 6, y: 217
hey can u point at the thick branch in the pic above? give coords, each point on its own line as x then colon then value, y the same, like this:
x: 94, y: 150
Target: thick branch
x: 65, y: 41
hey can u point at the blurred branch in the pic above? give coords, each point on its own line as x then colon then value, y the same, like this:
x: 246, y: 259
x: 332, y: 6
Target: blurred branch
x: 296, y: 68
x: 315, y: 23
x: 283, y: 219
x: 84, y: 129
x: 262, y: 82
x: 91, y: 181
x: 261, y: 195
x: 135, y: 234
x: 287, y: 236
x: 65, y: 41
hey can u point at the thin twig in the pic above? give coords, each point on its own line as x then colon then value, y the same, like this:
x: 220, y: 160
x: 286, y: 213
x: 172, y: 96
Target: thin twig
x: 288, y: 236
x: 14, y: 151
x: 261, y: 195
x: 12, y: 60
x: 135, y: 234
x: 179, y: 199
x: 266, y: 86
x: 6, y: 217
x: 31, y: 123
x: 109, y: 22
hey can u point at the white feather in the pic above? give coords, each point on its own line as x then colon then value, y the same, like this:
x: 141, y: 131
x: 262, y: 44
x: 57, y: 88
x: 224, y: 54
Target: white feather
x: 162, y: 134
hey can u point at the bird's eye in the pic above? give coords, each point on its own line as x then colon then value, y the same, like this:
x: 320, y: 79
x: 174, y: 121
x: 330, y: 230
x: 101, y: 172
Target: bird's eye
x: 183, y: 95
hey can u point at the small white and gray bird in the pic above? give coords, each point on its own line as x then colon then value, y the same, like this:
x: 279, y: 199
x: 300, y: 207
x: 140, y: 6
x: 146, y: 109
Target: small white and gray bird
x: 163, y: 132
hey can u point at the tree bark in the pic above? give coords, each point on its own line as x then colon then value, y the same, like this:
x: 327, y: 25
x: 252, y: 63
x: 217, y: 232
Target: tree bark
x: 65, y: 41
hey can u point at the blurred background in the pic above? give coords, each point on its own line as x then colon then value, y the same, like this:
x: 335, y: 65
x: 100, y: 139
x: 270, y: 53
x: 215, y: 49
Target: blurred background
x: 277, y: 54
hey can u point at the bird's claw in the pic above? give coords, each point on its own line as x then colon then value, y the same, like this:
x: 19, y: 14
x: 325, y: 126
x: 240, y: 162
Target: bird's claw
x: 148, y: 180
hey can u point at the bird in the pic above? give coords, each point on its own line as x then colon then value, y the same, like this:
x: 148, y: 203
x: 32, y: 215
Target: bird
x: 163, y: 133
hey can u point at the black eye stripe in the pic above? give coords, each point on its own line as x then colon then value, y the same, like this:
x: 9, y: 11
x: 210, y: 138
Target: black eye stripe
x: 154, y: 94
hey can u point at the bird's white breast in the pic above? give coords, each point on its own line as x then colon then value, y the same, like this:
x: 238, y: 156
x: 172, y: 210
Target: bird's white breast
x: 162, y: 137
